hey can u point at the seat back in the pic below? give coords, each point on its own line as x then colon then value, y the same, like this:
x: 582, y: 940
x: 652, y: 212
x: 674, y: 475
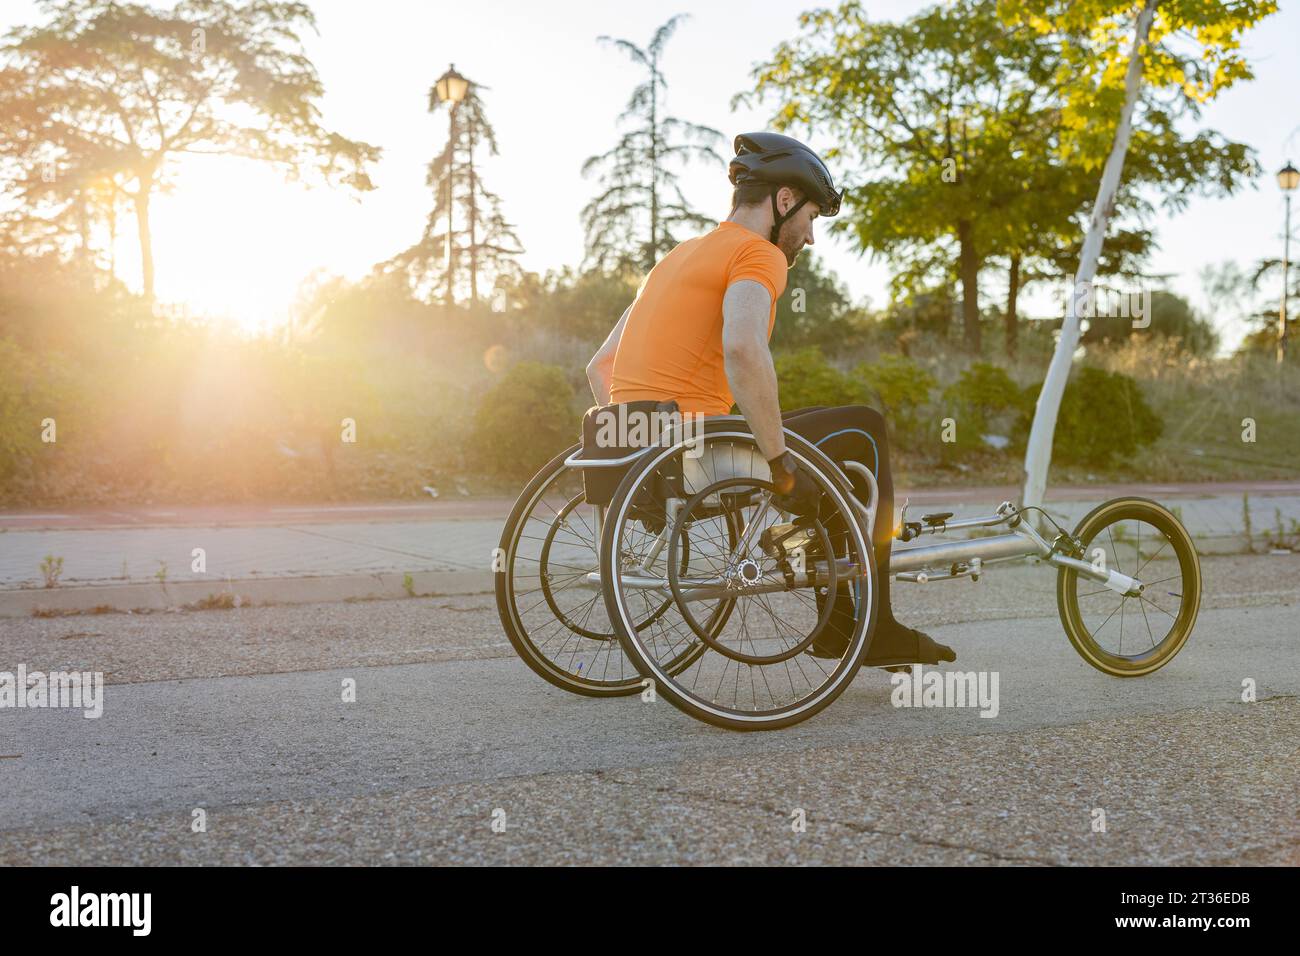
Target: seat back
x: 615, y: 431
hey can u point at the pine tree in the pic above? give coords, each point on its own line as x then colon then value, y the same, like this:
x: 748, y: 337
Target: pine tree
x: 482, y: 247
x: 632, y: 222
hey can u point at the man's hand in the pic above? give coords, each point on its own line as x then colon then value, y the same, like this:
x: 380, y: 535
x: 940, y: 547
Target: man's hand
x: 796, y: 492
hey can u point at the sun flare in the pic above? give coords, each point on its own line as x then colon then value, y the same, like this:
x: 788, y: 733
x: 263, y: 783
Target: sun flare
x: 234, y: 240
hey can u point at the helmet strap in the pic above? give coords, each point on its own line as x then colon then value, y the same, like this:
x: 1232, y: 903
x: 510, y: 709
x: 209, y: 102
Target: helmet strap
x: 778, y: 220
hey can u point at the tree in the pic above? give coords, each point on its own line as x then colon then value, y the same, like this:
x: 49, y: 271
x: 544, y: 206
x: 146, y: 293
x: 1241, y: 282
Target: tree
x: 1272, y: 334
x: 943, y: 113
x: 1238, y: 296
x: 1101, y: 85
x: 815, y: 309
x: 632, y: 222
x: 1170, y: 317
x: 958, y: 122
x: 569, y: 304
x: 108, y: 92
x: 484, y: 245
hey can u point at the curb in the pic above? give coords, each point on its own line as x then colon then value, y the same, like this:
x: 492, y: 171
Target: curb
x: 248, y: 591
x: 28, y: 602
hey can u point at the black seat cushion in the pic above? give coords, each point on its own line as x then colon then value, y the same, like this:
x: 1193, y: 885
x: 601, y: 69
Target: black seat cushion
x: 599, y: 484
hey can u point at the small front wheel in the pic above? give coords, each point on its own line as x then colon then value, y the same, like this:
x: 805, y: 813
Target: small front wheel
x: 1121, y: 635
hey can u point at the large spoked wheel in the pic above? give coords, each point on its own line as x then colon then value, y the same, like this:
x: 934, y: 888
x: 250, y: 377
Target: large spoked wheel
x: 758, y: 591
x: 552, y: 613
x: 1128, y: 636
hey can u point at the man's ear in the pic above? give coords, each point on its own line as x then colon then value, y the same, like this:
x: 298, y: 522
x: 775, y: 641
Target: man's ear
x: 786, y: 198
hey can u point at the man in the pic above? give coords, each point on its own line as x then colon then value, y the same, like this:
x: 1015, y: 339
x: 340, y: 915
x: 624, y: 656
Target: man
x: 698, y: 333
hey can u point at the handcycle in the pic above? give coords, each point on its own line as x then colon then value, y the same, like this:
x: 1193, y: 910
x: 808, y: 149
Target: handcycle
x: 671, y: 562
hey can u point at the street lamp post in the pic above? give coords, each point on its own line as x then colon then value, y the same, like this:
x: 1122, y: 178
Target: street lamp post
x: 451, y: 89
x: 1288, y: 177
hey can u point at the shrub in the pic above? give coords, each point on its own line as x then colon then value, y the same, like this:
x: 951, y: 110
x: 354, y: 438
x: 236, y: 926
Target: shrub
x: 1103, y: 415
x: 902, y: 385
x: 28, y: 385
x: 523, y: 421
x: 984, y: 397
x: 1171, y: 317
x: 51, y: 570
x: 805, y: 378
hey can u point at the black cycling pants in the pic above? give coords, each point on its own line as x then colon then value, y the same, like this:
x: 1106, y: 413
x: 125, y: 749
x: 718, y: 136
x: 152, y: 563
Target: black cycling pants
x: 856, y: 433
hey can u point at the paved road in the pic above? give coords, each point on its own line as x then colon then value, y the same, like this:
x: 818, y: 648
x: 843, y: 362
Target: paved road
x: 240, y: 713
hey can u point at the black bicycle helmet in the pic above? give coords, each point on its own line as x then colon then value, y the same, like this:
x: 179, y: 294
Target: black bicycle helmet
x: 782, y: 161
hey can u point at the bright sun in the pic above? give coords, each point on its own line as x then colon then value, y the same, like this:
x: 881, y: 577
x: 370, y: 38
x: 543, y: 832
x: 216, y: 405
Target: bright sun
x: 233, y: 240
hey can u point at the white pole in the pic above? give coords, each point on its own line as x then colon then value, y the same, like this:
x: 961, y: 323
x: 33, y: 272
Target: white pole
x: 1038, y: 454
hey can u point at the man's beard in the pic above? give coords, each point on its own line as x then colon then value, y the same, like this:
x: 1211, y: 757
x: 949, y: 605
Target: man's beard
x: 787, y: 243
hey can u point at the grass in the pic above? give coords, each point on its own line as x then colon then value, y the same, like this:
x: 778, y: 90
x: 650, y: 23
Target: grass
x: 217, y: 602
x: 1224, y: 420
x: 51, y: 570
x: 1283, y: 538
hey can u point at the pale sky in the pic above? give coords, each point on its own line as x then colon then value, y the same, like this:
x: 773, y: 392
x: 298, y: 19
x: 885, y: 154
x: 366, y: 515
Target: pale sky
x: 235, y: 239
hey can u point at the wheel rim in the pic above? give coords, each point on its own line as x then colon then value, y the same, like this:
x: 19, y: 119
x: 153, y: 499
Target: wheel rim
x: 754, y: 698
x: 546, y: 580
x: 561, y: 620
x: 1131, y: 634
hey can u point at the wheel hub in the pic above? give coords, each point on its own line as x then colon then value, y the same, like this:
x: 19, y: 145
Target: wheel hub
x: 744, y: 574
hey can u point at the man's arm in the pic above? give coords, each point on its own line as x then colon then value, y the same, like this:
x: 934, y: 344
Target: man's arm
x: 601, y: 367
x: 746, y: 309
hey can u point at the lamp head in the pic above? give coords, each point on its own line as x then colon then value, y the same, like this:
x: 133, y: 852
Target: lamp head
x: 451, y: 87
x: 1288, y: 177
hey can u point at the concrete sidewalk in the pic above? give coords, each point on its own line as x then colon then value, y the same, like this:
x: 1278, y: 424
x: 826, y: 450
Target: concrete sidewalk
x: 335, y: 552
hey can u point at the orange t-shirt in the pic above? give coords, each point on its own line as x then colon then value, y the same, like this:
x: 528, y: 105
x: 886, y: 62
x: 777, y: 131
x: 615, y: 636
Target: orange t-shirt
x: 671, y: 346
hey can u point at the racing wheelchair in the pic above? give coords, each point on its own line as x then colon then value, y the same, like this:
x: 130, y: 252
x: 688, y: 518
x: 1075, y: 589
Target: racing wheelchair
x: 670, y: 561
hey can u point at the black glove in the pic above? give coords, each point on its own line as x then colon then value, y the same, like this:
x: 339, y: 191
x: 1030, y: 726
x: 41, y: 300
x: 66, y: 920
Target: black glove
x: 796, y: 492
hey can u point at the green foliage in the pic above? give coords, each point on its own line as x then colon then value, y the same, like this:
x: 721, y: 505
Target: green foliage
x: 568, y: 303
x: 804, y: 379
x: 109, y: 93
x: 825, y: 315
x: 983, y: 398
x: 946, y: 123
x: 524, y: 420
x: 1104, y: 418
x: 25, y: 399
x: 1095, y: 40
x: 51, y: 570
x: 902, y: 385
x: 965, y: 136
